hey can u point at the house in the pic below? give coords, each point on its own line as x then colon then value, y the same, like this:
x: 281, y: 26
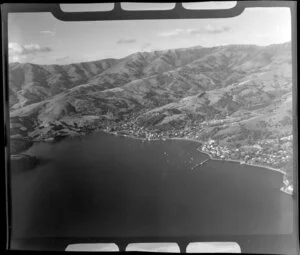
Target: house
x: 211, y: 141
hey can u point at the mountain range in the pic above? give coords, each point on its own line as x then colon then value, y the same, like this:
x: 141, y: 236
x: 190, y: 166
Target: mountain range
x: 236, y: 94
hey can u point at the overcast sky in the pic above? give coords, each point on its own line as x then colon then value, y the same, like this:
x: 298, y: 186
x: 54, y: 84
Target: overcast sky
x: 42, y: 39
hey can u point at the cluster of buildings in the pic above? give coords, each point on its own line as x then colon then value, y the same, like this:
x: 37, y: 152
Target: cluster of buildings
x: 288, y: 186
x: 272, y: 153
x: 217, y: 151
x: 142, y: 132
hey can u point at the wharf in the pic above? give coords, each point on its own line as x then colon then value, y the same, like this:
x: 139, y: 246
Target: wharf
x: 200, y: 164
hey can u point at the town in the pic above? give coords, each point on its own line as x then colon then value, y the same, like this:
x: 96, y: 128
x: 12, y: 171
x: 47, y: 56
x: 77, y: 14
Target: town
x: 273, y: 153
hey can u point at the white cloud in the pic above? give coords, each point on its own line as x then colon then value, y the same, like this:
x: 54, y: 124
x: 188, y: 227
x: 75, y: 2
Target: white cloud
x: 209, y: 29
x: 35, y: 48
x: 19, y: 53
x: 14, y: 48
x: 16, y: 58
x: 48, y: 32
x: 176, y: 32
x: 126, y: 40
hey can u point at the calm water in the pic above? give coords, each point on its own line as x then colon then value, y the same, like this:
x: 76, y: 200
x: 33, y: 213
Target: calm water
x: 101, y: 185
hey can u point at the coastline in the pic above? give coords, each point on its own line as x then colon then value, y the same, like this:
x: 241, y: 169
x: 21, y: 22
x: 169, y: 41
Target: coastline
x: 210, y: 157
x: 198, y: 149
x: 239, y: 161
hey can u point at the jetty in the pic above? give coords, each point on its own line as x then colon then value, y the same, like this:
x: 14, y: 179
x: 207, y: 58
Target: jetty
x: 200, y: 164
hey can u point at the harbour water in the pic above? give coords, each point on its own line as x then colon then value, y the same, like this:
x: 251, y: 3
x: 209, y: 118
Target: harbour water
x: 102, y: 185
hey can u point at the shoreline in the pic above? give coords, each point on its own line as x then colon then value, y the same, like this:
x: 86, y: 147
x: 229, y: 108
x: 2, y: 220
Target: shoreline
x: 210, y: 157
x: 239, y: 161
x: 198, y: 149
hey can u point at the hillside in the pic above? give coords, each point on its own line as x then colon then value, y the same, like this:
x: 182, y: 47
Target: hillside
x: 237, y: 95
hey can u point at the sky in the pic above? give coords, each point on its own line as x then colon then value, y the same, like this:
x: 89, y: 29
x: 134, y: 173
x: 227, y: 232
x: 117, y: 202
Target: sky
x: 40, y: 38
